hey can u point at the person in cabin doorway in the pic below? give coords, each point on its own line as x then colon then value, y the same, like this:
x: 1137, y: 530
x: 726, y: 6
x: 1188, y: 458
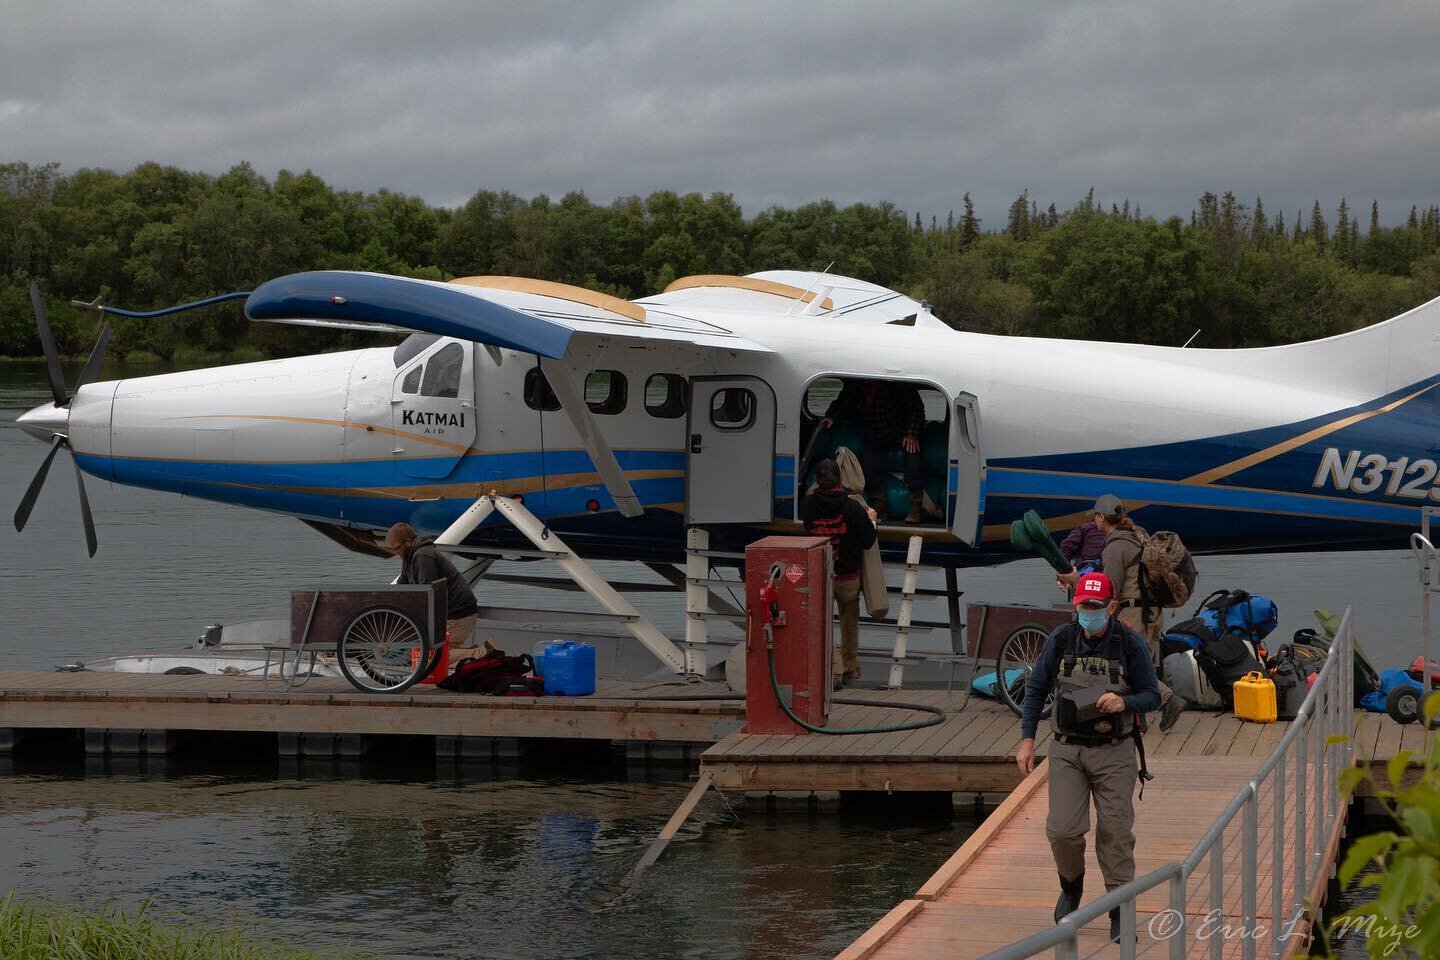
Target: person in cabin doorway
x: 1120, y: 559
x: 1102, y: 682
x: 422, y: 562
x: 887, y: 414
x: 828, y: 511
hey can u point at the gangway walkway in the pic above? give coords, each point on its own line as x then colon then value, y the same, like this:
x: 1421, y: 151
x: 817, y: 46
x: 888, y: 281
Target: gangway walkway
x: 1232, y: 857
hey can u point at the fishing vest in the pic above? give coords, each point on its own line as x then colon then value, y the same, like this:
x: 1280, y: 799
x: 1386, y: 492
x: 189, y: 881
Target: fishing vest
x: 1081, y: 682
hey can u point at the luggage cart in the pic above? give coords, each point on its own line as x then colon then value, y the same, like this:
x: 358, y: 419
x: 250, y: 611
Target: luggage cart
x: 384, y: 639
x: 1011, y: 637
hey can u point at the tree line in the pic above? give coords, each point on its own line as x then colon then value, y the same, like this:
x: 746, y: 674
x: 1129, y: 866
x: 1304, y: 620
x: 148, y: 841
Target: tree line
x: 158, y: 236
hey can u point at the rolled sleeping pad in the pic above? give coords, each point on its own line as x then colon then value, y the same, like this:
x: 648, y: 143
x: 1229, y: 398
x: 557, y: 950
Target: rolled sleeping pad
x: 935, y: 448
x: 1029, y: 535
x: 897, y: 497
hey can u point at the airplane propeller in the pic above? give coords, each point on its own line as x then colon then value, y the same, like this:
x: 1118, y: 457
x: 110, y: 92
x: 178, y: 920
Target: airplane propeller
x: 53, y: 418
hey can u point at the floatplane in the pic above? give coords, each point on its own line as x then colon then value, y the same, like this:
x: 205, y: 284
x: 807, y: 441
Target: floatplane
x: 528, y: 419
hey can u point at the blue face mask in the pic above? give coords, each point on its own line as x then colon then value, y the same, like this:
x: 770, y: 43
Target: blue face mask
x: 1092, y: 621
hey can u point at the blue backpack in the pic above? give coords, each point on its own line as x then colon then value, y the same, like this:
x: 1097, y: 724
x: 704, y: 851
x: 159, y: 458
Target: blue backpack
x: 1224, y: 611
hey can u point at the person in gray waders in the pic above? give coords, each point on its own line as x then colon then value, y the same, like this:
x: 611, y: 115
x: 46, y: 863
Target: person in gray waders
x: 1099, y: 673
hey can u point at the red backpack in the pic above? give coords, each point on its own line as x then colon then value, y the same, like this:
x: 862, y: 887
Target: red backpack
x: 495, y: 674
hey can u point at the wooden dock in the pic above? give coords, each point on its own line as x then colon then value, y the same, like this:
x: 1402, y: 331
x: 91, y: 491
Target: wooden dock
x: 972, y: 751
x: 143, y: 713
x: 1000, y: 886
x: 975, y: 749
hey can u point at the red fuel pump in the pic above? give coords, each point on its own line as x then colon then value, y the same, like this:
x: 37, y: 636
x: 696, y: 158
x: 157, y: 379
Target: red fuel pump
x: 788, y: 615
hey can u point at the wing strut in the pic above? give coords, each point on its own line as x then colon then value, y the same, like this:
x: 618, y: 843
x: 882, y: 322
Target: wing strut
x: 562, y: 379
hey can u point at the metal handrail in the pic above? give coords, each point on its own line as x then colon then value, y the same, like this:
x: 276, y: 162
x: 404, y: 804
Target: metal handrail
x: 1302, y: 774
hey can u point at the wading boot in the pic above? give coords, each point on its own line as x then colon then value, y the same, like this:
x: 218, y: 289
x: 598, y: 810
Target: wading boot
x: 1170, y: 711
x: 1115, y: 926
x: 1069, y: 901
x: 915, y: 516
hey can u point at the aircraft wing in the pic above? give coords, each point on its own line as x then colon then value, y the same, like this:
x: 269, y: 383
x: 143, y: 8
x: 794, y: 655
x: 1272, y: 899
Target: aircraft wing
x: 527, y: 315
x: 530, y: 316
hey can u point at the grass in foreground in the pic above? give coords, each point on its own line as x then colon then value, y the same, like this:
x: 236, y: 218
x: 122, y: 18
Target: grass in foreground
x: 36, y: 930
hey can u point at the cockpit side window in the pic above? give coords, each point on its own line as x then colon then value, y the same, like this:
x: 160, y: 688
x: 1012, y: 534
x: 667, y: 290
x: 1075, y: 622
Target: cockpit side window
x: 442, y: 372
x: 411, y: 383
x: 412, y: 346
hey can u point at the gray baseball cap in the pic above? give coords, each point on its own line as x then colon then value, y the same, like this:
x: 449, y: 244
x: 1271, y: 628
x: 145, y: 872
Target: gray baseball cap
x: 1107, y: 504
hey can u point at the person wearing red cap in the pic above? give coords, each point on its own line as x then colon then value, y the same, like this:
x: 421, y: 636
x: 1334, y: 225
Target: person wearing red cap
x: 1097, y: 674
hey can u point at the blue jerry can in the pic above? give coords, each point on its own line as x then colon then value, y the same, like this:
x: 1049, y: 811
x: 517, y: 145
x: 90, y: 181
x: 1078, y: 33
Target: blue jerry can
x: 570, y: 669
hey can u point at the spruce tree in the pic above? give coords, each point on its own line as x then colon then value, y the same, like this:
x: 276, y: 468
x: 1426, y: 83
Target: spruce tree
x: 950, y: 222
x: 969, y: 224
x: 1342, y: 232
x: 1052, y: 219
x: 1018, y: 225
x: 1414, y: 223
x: 1125, y: 210
x: 1374, y: 216
x: 1259, y: 226
x: 1319, y: 232
x: 1280, y: 224
x: 1299, y: 232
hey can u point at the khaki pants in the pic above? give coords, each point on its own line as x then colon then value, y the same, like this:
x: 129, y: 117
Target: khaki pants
x: 1150, y: 633
x: 847, y: 598
x: 460, y: 630
x: 1106, y: 774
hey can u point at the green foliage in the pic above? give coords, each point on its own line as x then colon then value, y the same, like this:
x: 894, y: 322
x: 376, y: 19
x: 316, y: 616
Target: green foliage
x: 40, y: 931
x: 1400, y: 867
x: 158, y: 236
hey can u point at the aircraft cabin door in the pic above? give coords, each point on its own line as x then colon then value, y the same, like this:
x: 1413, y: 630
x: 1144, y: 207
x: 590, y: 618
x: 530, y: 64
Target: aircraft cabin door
x: 730, y: 466
x: 967, y: 469
x: 433, y: 410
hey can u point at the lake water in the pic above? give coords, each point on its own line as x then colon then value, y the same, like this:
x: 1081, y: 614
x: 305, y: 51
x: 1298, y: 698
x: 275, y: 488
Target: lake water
x: 399, y: 859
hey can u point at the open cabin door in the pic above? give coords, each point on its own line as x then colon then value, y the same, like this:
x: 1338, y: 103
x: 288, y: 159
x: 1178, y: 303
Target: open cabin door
x: 433, y: 410
x: 967, y: 469
x: 730, y: 464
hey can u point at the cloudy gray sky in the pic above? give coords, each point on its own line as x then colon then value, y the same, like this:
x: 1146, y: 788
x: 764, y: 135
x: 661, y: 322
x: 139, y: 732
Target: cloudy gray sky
x: 774, y: 102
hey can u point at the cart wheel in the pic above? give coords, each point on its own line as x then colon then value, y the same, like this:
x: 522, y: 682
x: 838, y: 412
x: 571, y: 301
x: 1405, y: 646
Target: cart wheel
x: 375, y: 650
x: 1019, y: 652
x: 1431, y: 701
x: 1403, y: 704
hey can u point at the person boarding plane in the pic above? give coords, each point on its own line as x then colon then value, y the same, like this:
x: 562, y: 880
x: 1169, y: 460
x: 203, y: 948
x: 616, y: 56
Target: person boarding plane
x: 620, y: 424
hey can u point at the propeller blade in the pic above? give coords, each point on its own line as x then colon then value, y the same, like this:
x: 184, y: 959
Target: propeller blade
x: 97, y: 354
x: 27, y: 502
x: 85, y: 516
x: 47, y: 343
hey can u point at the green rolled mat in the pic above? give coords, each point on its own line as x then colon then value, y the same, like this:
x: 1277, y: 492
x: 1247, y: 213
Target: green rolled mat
x: 1029, y: 535
x: 935, y: 490
x: 897, y: 497
x: 935, y: 448
x: 843, y: 435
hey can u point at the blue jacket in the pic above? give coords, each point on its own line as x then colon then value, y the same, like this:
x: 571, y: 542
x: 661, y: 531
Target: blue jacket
x: 1144, y: 693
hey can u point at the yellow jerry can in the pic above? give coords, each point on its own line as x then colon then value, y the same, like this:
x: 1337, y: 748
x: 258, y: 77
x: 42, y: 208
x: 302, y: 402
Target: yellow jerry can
x: 1255, y: 698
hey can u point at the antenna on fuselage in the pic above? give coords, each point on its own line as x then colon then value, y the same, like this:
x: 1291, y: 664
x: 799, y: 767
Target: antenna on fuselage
x: 810, y: 289
x: 1192, y: 338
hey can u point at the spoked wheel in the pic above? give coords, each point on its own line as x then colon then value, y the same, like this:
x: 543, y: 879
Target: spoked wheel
x: 382, y: 650
x: 1018, y: 655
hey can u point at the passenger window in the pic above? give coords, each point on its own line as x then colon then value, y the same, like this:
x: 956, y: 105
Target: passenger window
x: 665, y: 396
x: 538, y: 395
x: 412, y: 380
x: 732, y: 408
x: 605, y: 391
x: 442, y: 372
x: 821, y: 394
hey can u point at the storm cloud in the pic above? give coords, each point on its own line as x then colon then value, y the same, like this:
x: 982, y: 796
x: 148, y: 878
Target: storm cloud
x: 775, y: 103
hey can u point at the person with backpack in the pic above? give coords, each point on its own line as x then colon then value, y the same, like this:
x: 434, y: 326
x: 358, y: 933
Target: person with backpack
x: 1120, y: 559
x: 828, y: 511
x: 1099, y: 676
x: 421, y: 562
